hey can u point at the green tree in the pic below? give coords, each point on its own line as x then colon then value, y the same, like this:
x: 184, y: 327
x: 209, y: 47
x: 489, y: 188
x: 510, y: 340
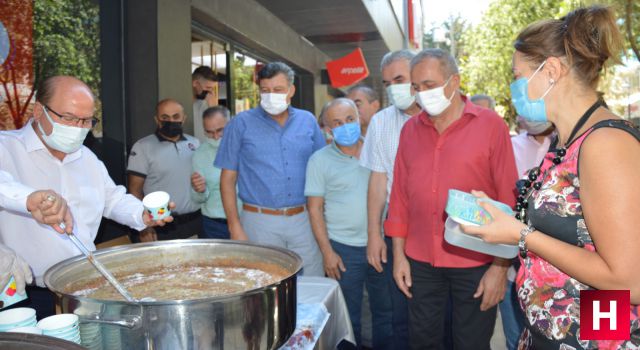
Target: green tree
x: 486, y: 63
x: 66, y: 40
x: 244, y: 81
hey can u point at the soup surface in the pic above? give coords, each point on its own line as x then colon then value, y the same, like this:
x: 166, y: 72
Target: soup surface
x: 183, y: 282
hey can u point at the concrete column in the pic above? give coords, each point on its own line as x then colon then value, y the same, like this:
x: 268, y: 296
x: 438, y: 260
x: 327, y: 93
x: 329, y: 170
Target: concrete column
x: 174, y: 54
x: 141, y: 67
x: 157, y: 61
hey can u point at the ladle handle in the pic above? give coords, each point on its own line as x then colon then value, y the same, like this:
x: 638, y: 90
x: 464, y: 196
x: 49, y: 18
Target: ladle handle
x: 103, y: 270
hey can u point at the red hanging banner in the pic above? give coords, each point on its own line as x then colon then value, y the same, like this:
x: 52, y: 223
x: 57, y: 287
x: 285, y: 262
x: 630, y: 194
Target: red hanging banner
x: 348, y: 70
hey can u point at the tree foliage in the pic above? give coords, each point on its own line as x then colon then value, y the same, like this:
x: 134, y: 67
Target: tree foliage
x: 67, y: 40
x: 244, y: 82
x: 486, y: 64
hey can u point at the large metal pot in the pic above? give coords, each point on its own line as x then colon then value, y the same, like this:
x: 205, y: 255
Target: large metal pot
x: 262, y: 318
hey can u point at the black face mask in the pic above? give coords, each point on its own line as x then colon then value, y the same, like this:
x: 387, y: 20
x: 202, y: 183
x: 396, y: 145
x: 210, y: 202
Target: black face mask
x: 202, y: 95
x: 171, y: 129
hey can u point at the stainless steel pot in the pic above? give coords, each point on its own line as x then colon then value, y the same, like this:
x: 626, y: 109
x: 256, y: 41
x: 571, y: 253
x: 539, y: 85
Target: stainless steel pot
x: 262, y: 318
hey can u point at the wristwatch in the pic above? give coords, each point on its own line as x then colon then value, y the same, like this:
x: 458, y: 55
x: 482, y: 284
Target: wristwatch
x: 522, y: 245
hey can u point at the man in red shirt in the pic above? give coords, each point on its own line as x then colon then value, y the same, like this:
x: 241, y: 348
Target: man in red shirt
x: 451, y: 144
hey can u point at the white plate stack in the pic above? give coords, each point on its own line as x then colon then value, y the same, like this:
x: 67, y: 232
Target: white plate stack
x: 111, y: 339
x: 91, y: 335
x: 17, y: 318
x: 63, y: 326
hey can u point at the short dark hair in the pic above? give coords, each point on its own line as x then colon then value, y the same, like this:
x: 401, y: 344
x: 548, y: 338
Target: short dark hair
x: 212, y: 111
x: 204, y: 72
x: 371, y: 94
x: 272, y: 69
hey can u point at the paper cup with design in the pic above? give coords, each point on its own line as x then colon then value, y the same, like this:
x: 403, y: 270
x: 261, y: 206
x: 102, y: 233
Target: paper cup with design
x: 10, y: 294
x: 157, y: 205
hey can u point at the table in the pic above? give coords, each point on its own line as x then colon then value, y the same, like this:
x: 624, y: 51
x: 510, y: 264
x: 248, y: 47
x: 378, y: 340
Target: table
x: 327, y: 291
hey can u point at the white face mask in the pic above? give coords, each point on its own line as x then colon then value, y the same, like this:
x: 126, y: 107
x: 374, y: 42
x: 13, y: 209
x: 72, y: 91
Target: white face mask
x: 434, y: 101
x: 400, y: 96
x: 535, y: 128
x: 273, y: 104
x: 213, y: 142
x: 63, y: 138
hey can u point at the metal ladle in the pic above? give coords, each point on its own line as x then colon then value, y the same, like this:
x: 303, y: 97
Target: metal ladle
x: 98, y: 265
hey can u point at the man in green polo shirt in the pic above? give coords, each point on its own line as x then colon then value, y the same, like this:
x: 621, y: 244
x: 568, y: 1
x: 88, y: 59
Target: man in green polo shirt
x: 205, y: 179
x: 336, y: 189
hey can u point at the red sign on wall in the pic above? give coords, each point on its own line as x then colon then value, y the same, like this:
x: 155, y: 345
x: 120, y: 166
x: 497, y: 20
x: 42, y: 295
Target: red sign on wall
x: 348, y: 70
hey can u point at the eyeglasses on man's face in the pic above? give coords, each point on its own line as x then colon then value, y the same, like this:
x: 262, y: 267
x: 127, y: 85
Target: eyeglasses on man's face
x: 89, y: 122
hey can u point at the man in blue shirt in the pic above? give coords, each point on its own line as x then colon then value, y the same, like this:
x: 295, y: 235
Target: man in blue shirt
x: 265, y: 152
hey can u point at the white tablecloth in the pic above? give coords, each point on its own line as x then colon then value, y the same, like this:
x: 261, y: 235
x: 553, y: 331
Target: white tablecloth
x: 327, y: 291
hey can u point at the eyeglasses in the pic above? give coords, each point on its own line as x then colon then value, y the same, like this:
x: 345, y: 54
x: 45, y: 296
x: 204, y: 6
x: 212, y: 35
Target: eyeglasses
x: 73, y: 120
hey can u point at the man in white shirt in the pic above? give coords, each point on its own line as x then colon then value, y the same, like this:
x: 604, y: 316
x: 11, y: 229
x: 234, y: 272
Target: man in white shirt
x: 531, y: 145
x: 51, y: 184
x: 205, y: 95
x: 378, y: 155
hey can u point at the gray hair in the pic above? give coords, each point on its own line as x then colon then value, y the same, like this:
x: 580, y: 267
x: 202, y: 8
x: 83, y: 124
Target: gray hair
x: 447, y: 62
x: 339, y: 101
x: 371, y: 94
x: 213, y: 111
x: 393, y: 56
x: 480, y: 97
x: 272, y: 69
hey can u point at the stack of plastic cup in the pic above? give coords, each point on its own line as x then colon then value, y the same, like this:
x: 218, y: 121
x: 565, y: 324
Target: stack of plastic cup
x: 111, y: 337
x: 63, y: 326
x: 16, y: 318
x: 91, y: 335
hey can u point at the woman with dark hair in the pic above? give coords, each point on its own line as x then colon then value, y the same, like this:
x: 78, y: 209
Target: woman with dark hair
x: 578, y: 215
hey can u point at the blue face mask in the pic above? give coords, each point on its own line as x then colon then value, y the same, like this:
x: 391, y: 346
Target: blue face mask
x: 531, y: 110
x: 347, y: 134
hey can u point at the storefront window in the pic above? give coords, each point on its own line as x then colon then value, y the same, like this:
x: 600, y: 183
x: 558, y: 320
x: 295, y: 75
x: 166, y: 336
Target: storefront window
x: 211, y: 54
x: 247, y: 94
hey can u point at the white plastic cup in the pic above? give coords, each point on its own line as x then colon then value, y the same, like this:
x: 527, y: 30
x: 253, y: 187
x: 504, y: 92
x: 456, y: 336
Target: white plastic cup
x: 157, y: 205
x: 14, y: 318
x: 59, y: 324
